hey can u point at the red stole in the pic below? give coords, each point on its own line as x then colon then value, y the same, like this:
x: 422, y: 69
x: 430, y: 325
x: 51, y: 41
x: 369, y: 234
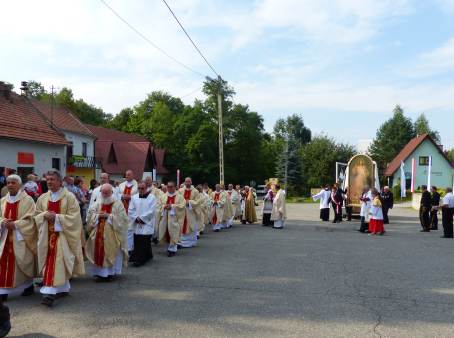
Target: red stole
x: 215, y: 199
x: 170, y: 200
x: 99, y: 239
x: 187, y: 196
x: 49, y: 268
x: 8, y: 261
x: 127, y: 191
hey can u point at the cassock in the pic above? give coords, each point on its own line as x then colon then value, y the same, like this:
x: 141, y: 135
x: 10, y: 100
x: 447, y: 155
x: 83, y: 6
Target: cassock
x: 218, y: 201
x: 279, y: 213
x: 142, y: 219
x: 366, y: 202
x: 267, y: 208
x: 249, y: 214
x: 192, y: 212
x: 59, y: 242
x: 236, y: 205
x: 106, y: 247
x: 18, y: 246
x: 171, y: 221
x: 128, y: 188
x: 325, y: 198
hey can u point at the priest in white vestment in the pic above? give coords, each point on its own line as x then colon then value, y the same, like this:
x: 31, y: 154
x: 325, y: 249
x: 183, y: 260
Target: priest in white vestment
x: 60, y: 236
x: 142, y: 213
x: 96, y: 193
x: 189, y: 231
x: 106, y: 247
x: 218, y: 204
x: 18, y: 238
x: 279, y: 214
x: 127, y: 189
x: 171, y: 218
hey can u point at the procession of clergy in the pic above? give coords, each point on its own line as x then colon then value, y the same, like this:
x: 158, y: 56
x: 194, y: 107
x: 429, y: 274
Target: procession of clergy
x: 47, y: 240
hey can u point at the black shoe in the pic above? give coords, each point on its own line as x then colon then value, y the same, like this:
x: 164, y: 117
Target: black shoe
x: 179, y: 246
x: 99, y: 279
x: 424, y: 230
x: 4, y: 298
x: 201, y: 232
x: 217, y: 230
x: 48, y: 300
x: 28, y: 291
x: 170, y: 253
x: 5, y: 324
x: 130, y: 260
x: 155, y: 241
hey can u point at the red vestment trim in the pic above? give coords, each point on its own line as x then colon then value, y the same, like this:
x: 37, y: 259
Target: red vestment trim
x: 49, y: 268
x: 99, y: 239
x: 187, y: 196
x: 8, y: 260
x: 127, y: 191
x: 215, y: 217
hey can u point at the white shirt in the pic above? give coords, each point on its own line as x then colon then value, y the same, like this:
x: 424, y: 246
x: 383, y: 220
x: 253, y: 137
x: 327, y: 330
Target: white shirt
x: 449, y: 200
x: 145, y: 209
x: 365, y: 206
x: 323, y: 196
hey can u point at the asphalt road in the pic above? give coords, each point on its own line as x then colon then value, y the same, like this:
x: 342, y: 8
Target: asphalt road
x: 308, y: 280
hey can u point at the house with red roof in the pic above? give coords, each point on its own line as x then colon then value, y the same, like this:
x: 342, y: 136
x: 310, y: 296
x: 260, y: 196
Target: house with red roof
x: 421, y: 149
x: 29, y: 143
x: 80, y: 157
x: 119, y: 151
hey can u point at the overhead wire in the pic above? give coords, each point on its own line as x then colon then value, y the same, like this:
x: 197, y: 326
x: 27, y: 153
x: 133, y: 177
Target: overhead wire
x: 144, y: 37
x: 190, y: 39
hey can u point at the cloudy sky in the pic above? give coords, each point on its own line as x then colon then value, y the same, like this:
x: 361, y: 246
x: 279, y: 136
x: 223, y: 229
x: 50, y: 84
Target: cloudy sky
x: 342, y: 64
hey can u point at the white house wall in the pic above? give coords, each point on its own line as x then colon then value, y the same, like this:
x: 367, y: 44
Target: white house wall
x: 77, y: 140
x: 43, y: 154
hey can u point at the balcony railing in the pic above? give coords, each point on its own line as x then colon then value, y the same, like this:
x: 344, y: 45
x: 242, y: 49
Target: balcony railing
x: 84, y: 162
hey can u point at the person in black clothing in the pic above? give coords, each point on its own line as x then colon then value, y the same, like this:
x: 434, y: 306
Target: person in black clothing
x: 424, y: 209
x: 434, y: 210
x: 337, y: 200
x: 387, y: 198
x: 447, y: 211
x: 348, y: 209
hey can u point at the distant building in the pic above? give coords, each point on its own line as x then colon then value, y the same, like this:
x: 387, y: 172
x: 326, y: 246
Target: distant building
x: 421, y: 148
x: 119, y: 151
x: 80, y: 157
x: 28, y: 141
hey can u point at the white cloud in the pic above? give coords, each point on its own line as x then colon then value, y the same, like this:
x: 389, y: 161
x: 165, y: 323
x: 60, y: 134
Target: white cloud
x: 438, y: 61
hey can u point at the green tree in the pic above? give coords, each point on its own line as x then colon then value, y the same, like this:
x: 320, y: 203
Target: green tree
x: 121, y: 120
x: 391, y: 137
x: 319, y: 159
x: 36, y: 90
x: 450, y: 154
x: 421, y: 126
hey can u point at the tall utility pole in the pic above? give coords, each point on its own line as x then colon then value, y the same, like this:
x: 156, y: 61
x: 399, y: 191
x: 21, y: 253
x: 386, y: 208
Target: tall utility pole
x: 286, y: 163
x: 52, y: 106
x: 221, y: 133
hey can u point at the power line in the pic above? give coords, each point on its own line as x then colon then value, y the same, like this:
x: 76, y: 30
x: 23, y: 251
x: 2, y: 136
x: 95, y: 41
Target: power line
x: 148, y: 40
x: 190, y: 93
x: 192, y: 41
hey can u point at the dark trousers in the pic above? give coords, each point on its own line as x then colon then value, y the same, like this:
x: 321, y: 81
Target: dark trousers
x: 349, y: 211
x: 385, y: 215
x: 337, y: 215
x: 142, y: 249
x: 267, y: 220
x: 364, y: 226
x: 324, y: 214
x: 424, y: 218
x: 447, y: 214
x: 434, y: 219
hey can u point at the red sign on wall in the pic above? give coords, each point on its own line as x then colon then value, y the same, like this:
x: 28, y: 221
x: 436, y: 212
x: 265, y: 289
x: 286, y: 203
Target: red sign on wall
x: 25, y: 158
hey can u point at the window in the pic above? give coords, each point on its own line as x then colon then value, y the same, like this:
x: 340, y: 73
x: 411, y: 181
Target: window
x: 56, y: 163
x: 84, y: 149
x: 423, y: 160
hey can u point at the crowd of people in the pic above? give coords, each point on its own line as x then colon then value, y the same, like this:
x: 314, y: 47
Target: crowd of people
x: 54, y: 230
x: 375, y: 206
